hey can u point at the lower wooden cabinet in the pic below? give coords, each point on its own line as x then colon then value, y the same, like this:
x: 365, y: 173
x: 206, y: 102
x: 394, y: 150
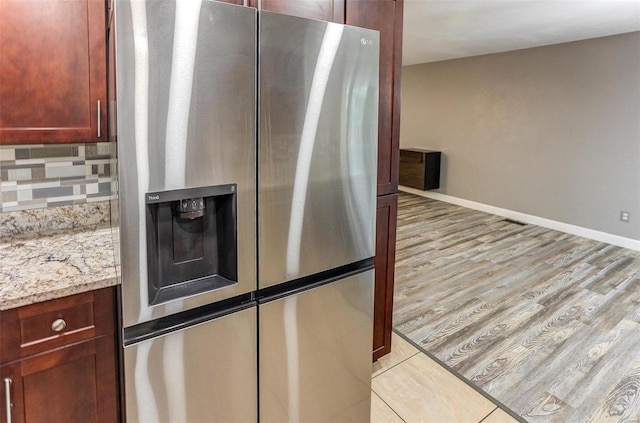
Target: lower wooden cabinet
x: 60, y: 372
x: 386, y: 217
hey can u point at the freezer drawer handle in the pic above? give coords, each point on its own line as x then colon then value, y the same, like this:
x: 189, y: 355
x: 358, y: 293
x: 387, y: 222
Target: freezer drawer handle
x: 58, y: 325
x: 7, y: 397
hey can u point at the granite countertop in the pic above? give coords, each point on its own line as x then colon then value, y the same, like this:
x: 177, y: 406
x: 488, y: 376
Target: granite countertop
x: 42, y: 263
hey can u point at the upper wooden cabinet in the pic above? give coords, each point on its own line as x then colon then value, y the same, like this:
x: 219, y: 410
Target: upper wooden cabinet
x: 386, y: 17
x: 326, y: 10
x: 52, y: 71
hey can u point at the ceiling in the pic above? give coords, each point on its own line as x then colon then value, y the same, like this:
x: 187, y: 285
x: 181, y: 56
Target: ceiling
x: 448, y: 29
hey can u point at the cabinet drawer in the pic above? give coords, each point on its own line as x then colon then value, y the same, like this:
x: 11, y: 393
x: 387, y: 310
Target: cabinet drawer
x: 43, y: 326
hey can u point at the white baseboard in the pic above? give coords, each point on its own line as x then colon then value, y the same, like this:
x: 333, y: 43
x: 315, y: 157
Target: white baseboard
x: 620, y: 241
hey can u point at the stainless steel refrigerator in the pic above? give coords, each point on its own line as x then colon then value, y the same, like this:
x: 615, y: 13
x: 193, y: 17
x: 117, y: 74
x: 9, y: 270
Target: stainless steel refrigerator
x: 247, y: 160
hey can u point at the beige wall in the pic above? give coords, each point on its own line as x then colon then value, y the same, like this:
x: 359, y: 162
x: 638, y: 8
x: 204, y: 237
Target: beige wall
x: 551, y: 131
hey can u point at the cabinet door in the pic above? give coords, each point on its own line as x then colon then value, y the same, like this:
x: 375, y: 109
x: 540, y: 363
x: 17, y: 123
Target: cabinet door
x: 386, y: 17
x: 71, y: 384
x: 53, y: 73
x: 325, y: 10
x: 387, y: 214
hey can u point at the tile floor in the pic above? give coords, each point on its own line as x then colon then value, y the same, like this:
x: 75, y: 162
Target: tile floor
x: 408, y: 386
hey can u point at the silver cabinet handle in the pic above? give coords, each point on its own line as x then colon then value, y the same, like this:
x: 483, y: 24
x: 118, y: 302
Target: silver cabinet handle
x: 58, y: 325
x: 99, y: 125
x: 7, y: 397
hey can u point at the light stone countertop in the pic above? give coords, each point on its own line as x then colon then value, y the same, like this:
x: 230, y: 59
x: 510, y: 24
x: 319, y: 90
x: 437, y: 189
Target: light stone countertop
x: 40, y: 266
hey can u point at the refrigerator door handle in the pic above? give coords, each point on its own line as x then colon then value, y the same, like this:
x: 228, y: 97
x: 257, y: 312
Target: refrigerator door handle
x: 316, y: 280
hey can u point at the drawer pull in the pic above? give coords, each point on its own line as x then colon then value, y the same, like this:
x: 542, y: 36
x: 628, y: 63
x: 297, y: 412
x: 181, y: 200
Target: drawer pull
x: 58, y: 325
x: 7, y: 397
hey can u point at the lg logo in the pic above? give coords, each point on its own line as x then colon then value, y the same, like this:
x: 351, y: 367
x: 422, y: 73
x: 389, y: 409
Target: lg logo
x: 365, y: 42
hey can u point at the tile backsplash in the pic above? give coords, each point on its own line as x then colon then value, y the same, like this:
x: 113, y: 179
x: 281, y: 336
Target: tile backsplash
x: 37, y: 176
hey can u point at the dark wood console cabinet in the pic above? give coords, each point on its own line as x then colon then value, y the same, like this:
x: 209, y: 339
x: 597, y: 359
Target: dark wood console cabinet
x: 419, y: 168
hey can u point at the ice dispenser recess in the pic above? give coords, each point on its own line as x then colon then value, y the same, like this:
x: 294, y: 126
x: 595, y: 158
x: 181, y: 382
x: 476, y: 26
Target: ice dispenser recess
x: 191, y: 241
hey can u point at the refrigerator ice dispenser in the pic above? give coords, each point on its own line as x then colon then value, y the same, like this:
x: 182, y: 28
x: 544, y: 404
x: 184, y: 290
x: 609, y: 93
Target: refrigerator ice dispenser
x: 191, y: 241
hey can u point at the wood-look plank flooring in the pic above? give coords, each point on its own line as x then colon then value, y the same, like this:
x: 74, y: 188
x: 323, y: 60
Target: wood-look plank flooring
x: 546, y: 322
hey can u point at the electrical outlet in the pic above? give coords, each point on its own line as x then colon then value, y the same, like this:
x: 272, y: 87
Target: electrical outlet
x: 624, y: 216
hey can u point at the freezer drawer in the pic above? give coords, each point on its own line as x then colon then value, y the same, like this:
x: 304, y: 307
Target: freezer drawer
x: 205, y: 373
x: 315, y: 353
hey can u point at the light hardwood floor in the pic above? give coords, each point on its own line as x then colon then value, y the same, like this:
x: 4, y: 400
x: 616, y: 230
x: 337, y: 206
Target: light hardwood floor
x: 545, y: 322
